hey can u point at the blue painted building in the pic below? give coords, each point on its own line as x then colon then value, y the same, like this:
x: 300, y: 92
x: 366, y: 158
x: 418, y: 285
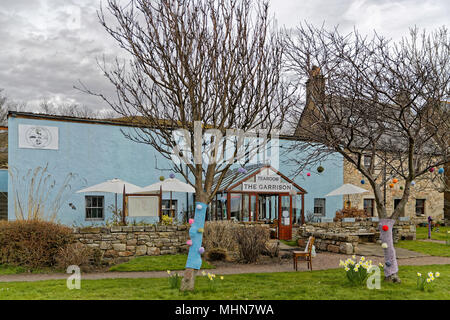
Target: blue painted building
x: 77, y: 153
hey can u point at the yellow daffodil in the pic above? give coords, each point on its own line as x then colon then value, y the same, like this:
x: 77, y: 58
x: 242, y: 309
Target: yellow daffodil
x: 221, y: 277
x: 380, y: 265
x: 428, y: 280
x: 362, y: 258
x: 419, y: 274
x: 437, y: 274
x: 353, y: 256
x: 341, y: 263
x: 168, y: 271
x: 347, y: 269
x: 430, y: 274
x: 203, y: 273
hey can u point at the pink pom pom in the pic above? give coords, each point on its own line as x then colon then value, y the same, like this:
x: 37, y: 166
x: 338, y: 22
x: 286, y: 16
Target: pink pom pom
x: 189, y: 242
x: 308, y: 174
x: 191, y: 221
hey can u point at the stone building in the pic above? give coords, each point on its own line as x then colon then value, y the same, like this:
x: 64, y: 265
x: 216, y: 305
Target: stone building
x: 426, y: 199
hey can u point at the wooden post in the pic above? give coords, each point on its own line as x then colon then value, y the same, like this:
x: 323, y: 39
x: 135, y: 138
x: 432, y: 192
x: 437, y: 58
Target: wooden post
x: 303, y: 209
x: 228, y: 206
x: 160, y: 203
x: 124, y: 206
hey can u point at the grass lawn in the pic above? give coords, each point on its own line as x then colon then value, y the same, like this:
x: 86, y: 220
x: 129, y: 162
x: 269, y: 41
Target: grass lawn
x: 6, y: 269
x: 422, y: 233
x: 156, y: 263
x: 431, y: 248
x: 292, y: 243
x: 325, y: 284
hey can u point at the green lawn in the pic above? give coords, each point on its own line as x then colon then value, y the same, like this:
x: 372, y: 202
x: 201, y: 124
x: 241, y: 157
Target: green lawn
x: 422, y: 233
x: 327, y: 284
x: 156, y: 263
x: 6, y: 269
x: 292, y: 243
x: 431, y: 248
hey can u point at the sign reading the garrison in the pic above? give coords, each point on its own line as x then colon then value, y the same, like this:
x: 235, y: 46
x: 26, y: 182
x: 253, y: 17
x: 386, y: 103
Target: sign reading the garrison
x: 38, y: 137
x: 267, y: 184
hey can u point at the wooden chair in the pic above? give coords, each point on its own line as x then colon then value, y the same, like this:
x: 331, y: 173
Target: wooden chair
x: 307, y: 254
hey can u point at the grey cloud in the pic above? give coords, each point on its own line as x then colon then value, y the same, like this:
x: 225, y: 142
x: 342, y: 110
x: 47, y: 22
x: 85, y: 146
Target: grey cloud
x: 48, y: 45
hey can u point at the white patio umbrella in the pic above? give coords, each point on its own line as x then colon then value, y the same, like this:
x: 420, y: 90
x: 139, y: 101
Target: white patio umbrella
x: 112, y: 186
x: 346, y: 189
x: 169, y: 185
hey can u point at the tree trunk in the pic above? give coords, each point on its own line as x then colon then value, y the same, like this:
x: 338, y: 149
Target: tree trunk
x: 194, y: 260
x: 390, y: 257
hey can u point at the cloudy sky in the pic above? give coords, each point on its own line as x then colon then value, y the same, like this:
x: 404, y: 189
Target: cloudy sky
x: 47, y: 46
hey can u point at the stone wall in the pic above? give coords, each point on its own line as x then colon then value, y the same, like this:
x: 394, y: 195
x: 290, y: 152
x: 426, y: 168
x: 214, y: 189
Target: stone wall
x: 344, y: 237
x: 123, y: 243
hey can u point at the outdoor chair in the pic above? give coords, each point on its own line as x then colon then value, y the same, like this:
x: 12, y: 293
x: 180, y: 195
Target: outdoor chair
x: 307, y: 254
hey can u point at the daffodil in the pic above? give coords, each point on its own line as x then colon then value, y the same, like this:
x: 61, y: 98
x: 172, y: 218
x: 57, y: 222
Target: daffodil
x: 430, y: 274
x: 341, y: 263
x: 221, y: 277
x: 362, y: 258
x: 353, y: 256
x: 203, y: 273
x: 437, y: 274
x: 380, y: 265
x: 384, y: 245
x: 347, y: 269
x: 168, y: 271
x: 419, y: 274
x: 428, y: 280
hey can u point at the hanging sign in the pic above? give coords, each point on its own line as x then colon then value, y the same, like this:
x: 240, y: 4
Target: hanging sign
x: 38, y: 137
x: 267, y: 184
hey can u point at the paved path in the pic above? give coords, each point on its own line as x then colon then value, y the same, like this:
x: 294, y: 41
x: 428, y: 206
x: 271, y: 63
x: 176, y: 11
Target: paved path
x: 322, y: 261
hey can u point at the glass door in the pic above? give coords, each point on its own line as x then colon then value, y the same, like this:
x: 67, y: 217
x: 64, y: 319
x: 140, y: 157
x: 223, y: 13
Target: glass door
x: 285, y: 217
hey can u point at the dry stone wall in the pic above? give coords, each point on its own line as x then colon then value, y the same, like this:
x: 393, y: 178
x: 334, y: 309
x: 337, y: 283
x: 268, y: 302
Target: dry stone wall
x: 344, y: 237
x: 125, y: 242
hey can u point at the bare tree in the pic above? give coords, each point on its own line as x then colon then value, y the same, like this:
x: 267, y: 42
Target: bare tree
x: 74, y: 110
x: 206, y: 67
x: 7, y: 105
x: 377, y: 98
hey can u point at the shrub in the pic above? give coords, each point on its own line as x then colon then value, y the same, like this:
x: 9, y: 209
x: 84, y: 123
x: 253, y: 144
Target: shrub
x: 217, y: 254
x: 251, y: 241
x: 32, y: 244
x: 220, y: 234
x: 272, y: 249
x: 77, y: 254
x: 350, y: 213
x: 166, y: 220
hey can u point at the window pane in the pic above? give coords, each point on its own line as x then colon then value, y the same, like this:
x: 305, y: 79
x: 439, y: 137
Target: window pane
x: 88, y: 213
x: 100, y: 202
x: 88, y: 202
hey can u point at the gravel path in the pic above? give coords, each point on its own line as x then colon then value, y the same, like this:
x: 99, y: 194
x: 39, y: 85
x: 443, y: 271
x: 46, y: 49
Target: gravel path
x: 322, y: 261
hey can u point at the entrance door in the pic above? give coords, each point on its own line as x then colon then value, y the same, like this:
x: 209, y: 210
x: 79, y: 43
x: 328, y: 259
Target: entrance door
x: 285, y: 218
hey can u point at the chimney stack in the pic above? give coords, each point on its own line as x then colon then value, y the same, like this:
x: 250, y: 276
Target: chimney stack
x: 315, y: 86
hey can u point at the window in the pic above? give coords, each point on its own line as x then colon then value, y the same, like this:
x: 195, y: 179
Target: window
x: 94, y: 207
x: 367, y: 161
x: 396, y: 202
x: 319, y: 207
x: 420, y: 207
x: 166, y: 207
x: 368, y: 206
